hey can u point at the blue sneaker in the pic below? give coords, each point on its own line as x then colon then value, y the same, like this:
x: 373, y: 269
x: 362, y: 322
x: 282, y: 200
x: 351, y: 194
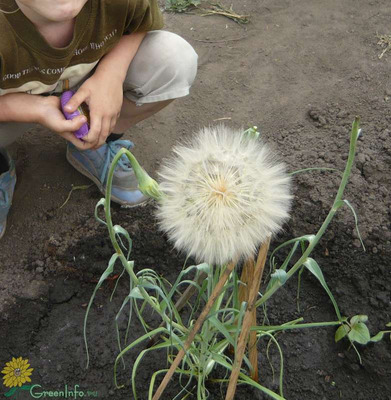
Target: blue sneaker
x: 7, y: 186
x: 95, y: 165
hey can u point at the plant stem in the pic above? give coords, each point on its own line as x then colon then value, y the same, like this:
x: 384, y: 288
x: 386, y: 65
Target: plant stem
x: 334, y: 209
x: 274, y: 328
x: 215, y: 294
x: 113, y: 239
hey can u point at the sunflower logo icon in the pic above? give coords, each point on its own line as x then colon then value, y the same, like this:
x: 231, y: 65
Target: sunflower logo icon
x: 16, y: 374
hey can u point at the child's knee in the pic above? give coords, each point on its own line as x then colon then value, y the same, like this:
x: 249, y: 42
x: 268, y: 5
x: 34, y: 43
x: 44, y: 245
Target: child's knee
x: 178, y: 56
x: 164, y: 67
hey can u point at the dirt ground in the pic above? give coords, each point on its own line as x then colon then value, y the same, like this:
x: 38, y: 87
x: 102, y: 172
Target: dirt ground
x: 300, y: 71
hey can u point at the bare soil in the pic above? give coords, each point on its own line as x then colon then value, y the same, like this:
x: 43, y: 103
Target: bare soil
x: 300, y: 71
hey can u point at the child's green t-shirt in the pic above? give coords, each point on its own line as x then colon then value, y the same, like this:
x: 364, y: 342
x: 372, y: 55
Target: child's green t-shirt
x: 29, y: 64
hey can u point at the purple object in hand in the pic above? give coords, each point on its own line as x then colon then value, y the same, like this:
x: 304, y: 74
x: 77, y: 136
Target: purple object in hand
x: 83, y: 130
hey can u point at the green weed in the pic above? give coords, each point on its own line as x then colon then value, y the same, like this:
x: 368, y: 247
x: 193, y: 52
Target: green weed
x: 181, y: 5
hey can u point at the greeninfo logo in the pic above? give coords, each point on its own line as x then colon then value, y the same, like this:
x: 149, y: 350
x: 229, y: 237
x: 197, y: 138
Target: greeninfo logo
x: 37, y: 392
x: 17, y: 373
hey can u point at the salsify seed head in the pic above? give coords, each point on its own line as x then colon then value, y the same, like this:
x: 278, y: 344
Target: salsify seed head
x: 223, y: 195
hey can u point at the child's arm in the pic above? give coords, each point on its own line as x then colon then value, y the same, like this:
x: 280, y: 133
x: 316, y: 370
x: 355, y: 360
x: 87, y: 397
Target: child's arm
x: 22, y: 107
x: 103, y: 91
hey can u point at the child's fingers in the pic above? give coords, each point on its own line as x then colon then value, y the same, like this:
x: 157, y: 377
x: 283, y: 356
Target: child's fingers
x: 95, y: 129
x: 73, y: 125
x: 113, y: 123
x: 80, y: 144
x: 79, y: 97
x: 104, y: 132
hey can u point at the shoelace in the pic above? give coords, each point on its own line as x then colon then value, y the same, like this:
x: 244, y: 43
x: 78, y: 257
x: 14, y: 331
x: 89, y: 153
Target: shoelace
x: 112, y: 150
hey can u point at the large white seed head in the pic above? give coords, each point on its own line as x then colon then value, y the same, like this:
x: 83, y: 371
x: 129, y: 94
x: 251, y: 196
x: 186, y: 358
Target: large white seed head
x: 223, y: 195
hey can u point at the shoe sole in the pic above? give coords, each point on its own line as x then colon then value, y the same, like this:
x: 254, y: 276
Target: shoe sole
x: 79, y: 167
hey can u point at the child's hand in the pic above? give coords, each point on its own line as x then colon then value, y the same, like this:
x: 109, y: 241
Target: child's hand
x: 103, y: 93
x: 52, y: 118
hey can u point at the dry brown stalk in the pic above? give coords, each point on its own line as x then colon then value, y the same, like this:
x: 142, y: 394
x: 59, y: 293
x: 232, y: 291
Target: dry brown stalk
x: 385, y: 42
x: 219, y: 9
x: 247, y: 277
x: 215, y: 294
x: 252, y: 347
x: 247, y: 321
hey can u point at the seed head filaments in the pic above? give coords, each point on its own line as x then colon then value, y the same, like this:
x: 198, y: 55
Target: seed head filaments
x: 224, y: 194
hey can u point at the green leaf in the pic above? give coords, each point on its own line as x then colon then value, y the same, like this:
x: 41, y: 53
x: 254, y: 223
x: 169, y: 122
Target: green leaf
x: 313, y: 169
x: 314, y: 268
x: 204, y: 267
x: 279, y: 275
x: 358, y: 318
x: 249, y: 381
x: 10, y: 392
x: 359, y: 333
x: 136, y: 294
x: 130, y: 346
x: 295, y: 241
x: 118, y: 230
x: 222, y: 329
x: 341, y: 332
x: 81, y: 187
x: 103, y: 277
x: 377, y: 337
x: 252, y: 133
x: 388, y: 325
x: 100, y: 203
x: 355, y: 221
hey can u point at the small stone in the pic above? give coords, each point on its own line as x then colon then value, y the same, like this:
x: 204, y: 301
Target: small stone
x: 39, y: 270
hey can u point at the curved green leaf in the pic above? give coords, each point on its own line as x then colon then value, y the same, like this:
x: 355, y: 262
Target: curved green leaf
x: 100, y: 203
x: 356, y: 222
x: 314, y: 268
x: 359, y: 333
x: 378, y: 337
x: 341, y: 332
x: 358, y: 318
x: 103, y: 277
